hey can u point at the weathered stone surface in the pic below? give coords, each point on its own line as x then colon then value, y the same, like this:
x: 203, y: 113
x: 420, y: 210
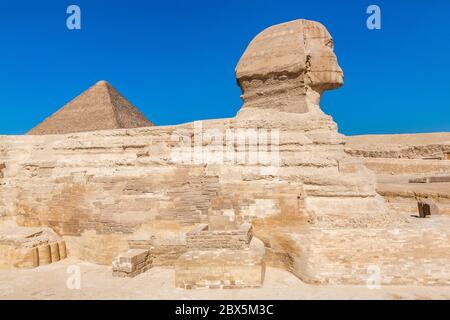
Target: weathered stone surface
x: 203, y: 238
x: 99, y: 108
x: 131, y: 263
x: 417, y: 254
x: 222, y: 268
x: 436, y: 179
x: 22, y: 247
x: 405, y: 146
x: 408, y: 166
x: 427, y: 208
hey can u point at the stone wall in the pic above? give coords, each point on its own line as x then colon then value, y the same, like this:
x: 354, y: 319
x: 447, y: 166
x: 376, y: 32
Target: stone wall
x: 2, y: 167
x: 401, y: 146
x: 402, y: 162
x: 101, y: 187
x: 410, y: 167
x: 237, y: 269
x: 416, y: 254
x: 98, y: 189
x: 22, y: 247
x: 222, y: 268
x: 201, y: 238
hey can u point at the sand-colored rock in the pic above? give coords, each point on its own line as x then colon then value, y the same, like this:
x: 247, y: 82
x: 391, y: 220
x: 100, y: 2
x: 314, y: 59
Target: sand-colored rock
x: 22, y: 247
x: 409, y: 167
x: 100, y: 107
x: 132, y: 263
x: 287, y: 62
x: 406, y: 146
x: 221, y: 266
x: 62, y: 250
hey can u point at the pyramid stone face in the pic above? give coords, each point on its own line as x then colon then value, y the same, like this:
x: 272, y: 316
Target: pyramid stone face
x: 101, y: 107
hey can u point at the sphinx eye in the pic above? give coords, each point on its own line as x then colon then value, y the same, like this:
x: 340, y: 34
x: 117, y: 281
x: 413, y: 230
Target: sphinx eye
x: 330, y: 43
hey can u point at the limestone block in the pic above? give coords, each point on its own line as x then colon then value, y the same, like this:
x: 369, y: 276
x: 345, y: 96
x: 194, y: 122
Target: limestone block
x: 167, y: 255
x: 62, y: 250
x: 54, y: 251
x: 26, y: 258
x: 45, y: 255
x: 221, y: 222
x: 202, y: 238
x: 221, y: 268
x: 131, y: 263
x: 28, y: 247
x: 96, y: 247
x: 140, y: 244
x: 427, y: 146
x: 416, y: 254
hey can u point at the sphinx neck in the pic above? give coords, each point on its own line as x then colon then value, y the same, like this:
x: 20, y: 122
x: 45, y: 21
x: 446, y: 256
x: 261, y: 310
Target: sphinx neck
x: 313, y: 96
x: 282, y: 92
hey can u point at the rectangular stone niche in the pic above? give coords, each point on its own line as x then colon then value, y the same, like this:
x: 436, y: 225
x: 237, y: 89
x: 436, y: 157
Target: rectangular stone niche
x: 22, y: 247
x: 201, y: 238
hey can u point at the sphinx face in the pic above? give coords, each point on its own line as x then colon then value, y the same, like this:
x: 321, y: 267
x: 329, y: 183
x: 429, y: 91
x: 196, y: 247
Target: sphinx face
x: 322, y: 65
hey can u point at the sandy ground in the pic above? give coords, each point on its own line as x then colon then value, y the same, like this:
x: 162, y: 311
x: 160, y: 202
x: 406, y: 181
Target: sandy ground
x: 50, y: 282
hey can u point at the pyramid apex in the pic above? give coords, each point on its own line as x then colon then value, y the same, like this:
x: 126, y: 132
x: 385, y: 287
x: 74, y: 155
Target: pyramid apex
x: 102, y: 82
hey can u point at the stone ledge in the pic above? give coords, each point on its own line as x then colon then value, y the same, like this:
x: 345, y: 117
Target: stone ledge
x: 131, y: 263
x: 201, y: 238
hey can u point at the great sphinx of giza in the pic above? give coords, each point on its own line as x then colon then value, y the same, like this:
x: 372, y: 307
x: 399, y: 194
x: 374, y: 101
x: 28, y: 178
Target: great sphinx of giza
x: 316, y: 209
x: 283, y: 74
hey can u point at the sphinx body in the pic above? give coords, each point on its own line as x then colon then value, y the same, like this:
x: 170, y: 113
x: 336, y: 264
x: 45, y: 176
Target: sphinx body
x: 317, y: 211
x: 283, y: 74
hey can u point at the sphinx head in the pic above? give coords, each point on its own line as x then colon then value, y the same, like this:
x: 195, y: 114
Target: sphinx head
x: 286, y: 62
x: 322, y: 68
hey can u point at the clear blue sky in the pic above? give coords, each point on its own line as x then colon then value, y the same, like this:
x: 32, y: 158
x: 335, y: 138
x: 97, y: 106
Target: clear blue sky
x: 175, y: 60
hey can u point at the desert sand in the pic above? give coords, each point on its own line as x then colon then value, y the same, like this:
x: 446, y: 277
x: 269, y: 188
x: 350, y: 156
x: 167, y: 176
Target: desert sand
x: 49, y: 282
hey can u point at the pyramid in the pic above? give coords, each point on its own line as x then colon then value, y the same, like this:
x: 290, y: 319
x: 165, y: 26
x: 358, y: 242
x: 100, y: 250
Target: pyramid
x: 101, y: 107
